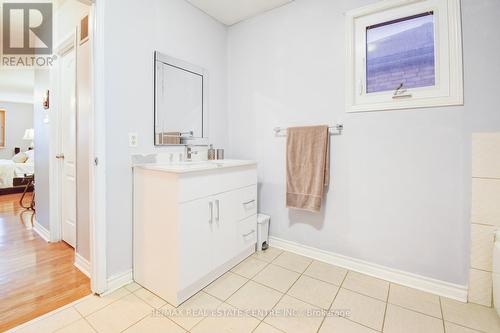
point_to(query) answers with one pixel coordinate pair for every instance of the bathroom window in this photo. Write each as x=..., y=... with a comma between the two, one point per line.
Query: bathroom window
x=404, y=54
x=400, y=54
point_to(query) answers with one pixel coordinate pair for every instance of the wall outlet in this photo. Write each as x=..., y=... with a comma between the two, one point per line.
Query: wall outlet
x=132, y=140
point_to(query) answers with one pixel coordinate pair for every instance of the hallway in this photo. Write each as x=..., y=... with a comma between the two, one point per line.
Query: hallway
x=36, y=277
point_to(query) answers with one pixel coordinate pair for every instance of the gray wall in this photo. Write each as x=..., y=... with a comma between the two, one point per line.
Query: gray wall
x=133, y=31
x=42, y=140
x=19, y=117
x=400, y=188
x=400, y=193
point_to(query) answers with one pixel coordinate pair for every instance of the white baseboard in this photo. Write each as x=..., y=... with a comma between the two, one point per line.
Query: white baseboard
x=119, y=280
x=438, y=287
x=41, y=231
x=82, y=264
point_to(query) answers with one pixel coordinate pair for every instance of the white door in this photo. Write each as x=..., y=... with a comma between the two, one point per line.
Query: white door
x=225, y=228
x=196, y=223
x=68, y=130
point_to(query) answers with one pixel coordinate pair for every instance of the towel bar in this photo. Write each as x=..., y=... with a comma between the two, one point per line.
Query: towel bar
x=336, y=129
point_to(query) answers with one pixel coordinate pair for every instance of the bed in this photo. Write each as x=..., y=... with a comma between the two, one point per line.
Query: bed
x=15, y=169
x=10, y=169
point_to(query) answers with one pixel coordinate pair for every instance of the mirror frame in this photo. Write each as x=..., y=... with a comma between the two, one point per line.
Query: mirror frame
x=183, y=65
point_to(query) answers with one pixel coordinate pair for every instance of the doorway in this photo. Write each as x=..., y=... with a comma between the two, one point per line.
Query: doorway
x=64, y=139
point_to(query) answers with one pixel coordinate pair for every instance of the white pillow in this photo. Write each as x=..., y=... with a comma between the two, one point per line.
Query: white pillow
x=20, y=158
x=30, y=154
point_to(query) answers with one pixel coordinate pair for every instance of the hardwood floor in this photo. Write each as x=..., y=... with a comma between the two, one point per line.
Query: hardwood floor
x=36, y=277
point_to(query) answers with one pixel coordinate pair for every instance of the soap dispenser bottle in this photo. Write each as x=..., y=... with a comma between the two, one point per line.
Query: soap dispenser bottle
x=211, y=153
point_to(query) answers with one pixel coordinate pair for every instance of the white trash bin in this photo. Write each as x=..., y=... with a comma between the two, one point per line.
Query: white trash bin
x=263, y=231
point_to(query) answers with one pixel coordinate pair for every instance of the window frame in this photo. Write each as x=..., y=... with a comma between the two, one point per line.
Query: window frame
x=448, y=88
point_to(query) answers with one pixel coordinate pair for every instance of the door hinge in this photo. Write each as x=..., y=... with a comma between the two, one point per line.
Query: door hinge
x=96, y=161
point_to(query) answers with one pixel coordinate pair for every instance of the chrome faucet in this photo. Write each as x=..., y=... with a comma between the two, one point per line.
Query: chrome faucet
x=189, y=152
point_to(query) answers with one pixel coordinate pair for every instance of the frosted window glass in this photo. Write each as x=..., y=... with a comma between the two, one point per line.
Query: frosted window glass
x=401, y=52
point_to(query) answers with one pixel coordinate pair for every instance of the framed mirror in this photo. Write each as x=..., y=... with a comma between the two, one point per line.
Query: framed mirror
x=180, y=102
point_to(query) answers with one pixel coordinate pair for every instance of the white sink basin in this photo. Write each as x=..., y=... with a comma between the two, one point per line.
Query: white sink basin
x=184, y=167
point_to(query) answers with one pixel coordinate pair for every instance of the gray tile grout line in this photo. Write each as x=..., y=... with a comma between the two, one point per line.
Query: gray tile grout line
x=333, y=300
x=442, y=315
x=313, y=277
x=251, y=279
x=224, y=301
x=482, y=270
x=386, y=306
x=60, y=328
x=135, y=322
x=142, y=318
x=360, y=293
x=462, y=326
x=91, y=327
x=244, y=284
x=486, y=178
x=348, y=319
x=300, y=274
x=377, y=299
x=412, y=310
x=175, y=323
x=116, y=300
x=285, y=293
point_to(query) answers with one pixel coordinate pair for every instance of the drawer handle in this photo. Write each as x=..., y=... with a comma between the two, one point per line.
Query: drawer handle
x=217, y=210
x=249, y=202
x=211, y=207
x=249, y=233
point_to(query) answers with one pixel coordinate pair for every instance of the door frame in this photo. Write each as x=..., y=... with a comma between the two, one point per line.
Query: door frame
x=98, y=230
x=97, y=139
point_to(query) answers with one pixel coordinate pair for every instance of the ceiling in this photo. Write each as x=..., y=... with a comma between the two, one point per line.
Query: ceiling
x=230, y=12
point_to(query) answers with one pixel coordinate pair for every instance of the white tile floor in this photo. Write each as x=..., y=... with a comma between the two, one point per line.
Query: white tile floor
x=298, y=290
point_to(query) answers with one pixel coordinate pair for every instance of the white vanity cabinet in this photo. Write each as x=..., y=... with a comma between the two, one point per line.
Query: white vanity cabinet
x=192, y=224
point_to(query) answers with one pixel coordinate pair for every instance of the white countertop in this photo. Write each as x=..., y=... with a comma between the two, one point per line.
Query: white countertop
x=195, y=166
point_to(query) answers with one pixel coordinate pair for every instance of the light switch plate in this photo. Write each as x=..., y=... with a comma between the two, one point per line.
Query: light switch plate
x=132, y=140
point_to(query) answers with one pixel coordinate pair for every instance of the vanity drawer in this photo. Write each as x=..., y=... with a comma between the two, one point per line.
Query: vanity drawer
x=240, y=204
x=197, y=185
x=247, y=232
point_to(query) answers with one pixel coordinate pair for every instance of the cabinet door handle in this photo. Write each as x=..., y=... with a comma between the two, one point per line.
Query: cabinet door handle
x=217, y=210
x=249, y=233
x=211, y=208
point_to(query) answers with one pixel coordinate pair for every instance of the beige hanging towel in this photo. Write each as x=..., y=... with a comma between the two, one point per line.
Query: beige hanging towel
x=307, y=166
x=172, y=138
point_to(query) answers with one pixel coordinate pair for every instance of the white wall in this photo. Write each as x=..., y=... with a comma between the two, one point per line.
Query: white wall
x=400, y=192
x=133, y=30
x=16, y=85
x=18, y=118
